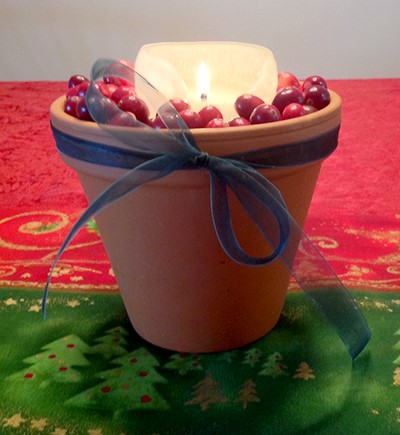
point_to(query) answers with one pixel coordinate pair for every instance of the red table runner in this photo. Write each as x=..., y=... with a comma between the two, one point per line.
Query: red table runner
x=354, y=217
x=85, y=370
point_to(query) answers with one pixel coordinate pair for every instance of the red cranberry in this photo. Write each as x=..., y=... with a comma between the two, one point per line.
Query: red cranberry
x=180, y=104
x=216, y=123
x=293, y=110
x=117, y=81
x=132, y=103
x=314, y=80
x=106, y=90
x=111, y=88
x=82, y=88
x=245, y=104
x=309, y=109
x=238, y=122
x=76, y=80
x=286, y=79
x=159, y=123
x=122, y=91
x=70, y=105
x=265, y=113
x=72, y=92
x=287, y=96
x=192, y=118
x=82, y=111
x=317, y=96
x=124, y=119
x=208, y=113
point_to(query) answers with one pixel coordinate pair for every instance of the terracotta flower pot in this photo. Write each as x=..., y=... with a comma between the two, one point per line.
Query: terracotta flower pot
x=180, y=289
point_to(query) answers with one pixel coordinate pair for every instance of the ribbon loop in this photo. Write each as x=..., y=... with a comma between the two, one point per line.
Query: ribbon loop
x=154, y=155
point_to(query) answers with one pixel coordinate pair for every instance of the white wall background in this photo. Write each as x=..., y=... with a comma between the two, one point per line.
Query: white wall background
x=53, y=39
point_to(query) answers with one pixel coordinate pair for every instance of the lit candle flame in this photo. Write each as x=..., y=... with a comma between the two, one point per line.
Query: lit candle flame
x=203, y=82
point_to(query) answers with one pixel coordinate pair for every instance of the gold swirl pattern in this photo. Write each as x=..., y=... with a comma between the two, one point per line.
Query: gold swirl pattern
x=395, y=270
x=325, y=242
x=7, y=271
x=55, y=221
x=363, y=258
x=29, y=242
x=40, y=227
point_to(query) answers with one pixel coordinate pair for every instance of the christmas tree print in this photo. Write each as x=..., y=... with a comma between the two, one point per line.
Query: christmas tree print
x=247, y=394
x=396, y=373
x=397, y=347
x=111, y=344
x=304, y=372
x=207, y=392
x=252, y=357
x=273, y=366
x=131, y=386
x=396, y=377
x=184, y=362
x=228, y=356
x=55, y=364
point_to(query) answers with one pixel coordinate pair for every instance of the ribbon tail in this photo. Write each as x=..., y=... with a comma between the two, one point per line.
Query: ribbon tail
x=325, y=289
x=323, y=286
x=320, y=283
x=151, y=170
x=265, y=206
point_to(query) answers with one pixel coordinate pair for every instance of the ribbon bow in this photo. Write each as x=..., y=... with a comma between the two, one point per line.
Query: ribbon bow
x=150, y=155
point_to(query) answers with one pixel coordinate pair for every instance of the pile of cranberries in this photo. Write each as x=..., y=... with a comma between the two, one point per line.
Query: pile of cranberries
x=293, y=99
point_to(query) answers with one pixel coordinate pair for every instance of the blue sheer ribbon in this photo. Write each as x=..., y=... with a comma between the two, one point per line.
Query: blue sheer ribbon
x=149, y=155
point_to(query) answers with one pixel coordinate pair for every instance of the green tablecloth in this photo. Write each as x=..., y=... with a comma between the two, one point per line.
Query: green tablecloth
x=85, y=371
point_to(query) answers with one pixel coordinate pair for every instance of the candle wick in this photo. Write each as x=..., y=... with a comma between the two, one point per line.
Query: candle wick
x=203, y=97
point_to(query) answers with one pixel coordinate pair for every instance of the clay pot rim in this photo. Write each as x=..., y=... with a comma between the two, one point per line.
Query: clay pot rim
x=323, y=120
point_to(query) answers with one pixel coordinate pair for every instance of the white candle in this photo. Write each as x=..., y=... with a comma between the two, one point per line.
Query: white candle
x=232, y=68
